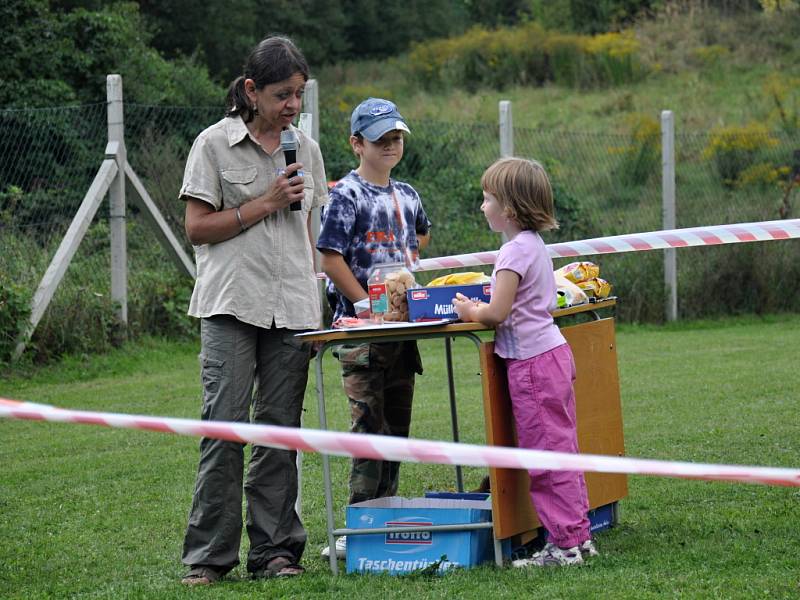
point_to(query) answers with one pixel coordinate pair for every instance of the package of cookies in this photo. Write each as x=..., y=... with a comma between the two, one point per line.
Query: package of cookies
x=387, y=292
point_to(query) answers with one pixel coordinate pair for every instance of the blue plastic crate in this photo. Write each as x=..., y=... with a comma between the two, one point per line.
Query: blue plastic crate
x=401, y=552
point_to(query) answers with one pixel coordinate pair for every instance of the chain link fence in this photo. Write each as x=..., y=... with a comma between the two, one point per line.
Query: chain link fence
x=606, y=184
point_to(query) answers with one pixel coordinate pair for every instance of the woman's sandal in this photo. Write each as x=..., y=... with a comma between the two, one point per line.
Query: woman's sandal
x=280, y=566
x=201, y=576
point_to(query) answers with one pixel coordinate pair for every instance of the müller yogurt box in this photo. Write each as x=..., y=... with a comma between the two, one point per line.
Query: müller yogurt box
x=436, y=302
x=404, y=552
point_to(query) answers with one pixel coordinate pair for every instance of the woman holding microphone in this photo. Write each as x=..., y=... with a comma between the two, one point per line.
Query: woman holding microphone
x=255, y=290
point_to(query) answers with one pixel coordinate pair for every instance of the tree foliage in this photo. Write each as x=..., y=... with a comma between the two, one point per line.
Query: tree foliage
x=54, y=55
x=326, y=30
x=182, y=51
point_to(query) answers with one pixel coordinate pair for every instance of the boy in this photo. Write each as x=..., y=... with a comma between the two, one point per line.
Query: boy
x=372, y=219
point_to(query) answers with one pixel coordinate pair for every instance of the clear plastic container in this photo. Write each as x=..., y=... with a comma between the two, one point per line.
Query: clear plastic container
x=387, y=285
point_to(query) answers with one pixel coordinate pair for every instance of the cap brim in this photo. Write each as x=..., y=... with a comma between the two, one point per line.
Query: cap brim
x=378, y=129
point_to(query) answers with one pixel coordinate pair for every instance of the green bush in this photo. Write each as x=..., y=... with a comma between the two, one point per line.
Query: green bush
x=735, y=148
x=15, y=311
x=640, y=160
x=525, y=55
x=80, y=317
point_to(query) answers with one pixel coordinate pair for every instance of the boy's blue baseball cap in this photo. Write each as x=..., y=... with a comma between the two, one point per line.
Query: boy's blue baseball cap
x=374, y=117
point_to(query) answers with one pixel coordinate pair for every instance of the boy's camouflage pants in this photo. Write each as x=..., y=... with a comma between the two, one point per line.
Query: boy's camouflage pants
x=379, y=383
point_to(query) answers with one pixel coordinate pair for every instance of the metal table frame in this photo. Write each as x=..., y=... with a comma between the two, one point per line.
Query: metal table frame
x=448, y=332
x=335, y=338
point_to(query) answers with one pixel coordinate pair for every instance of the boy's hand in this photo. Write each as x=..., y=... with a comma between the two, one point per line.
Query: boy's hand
x=464, y=307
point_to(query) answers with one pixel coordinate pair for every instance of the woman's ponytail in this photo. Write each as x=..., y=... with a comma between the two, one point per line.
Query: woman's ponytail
x=237, y=102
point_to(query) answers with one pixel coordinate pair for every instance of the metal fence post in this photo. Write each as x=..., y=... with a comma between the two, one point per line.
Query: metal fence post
x=506, y=129
x=668, y=208
x=116, y=150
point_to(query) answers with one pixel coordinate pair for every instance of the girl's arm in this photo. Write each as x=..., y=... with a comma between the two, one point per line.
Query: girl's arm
x=498, y=308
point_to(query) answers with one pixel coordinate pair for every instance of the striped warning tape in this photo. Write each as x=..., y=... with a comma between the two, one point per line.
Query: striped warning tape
x=636, y=242
x=402, y=449
x=712, y=235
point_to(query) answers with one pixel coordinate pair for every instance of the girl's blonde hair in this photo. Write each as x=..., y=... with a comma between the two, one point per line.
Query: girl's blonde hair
x=523, y=189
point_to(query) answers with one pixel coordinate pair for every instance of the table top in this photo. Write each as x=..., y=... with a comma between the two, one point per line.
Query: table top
x=438, y=329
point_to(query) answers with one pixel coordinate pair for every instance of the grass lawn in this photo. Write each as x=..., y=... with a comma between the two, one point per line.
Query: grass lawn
x=93, y=512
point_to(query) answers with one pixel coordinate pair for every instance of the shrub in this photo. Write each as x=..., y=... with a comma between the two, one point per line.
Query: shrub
x=640, y=159
x=525, y=55
x=734, y=148
x=15, y=312
x=784, y=91
x=614, y=58
x=80, y=317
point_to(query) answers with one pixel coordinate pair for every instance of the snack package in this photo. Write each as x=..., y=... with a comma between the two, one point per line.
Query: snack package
x=397, y=283
x=577, y=272
x=460, y=279
x=596, y=287
x=568, y=293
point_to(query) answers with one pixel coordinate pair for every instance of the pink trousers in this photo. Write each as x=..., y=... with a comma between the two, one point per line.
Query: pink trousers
x=543, y=401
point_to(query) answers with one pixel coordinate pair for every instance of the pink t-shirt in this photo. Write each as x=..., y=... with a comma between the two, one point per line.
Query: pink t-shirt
x=529, y=329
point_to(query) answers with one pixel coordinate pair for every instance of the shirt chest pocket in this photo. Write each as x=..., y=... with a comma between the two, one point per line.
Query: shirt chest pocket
x=239, y=184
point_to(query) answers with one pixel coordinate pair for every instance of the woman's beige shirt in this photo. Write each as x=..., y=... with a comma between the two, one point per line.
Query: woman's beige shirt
x=264, y=275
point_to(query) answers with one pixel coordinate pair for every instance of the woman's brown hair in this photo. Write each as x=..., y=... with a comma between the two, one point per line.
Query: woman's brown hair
x=274, y=59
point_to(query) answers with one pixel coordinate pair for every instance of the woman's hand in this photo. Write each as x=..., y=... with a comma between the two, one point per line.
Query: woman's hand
x=284, y=191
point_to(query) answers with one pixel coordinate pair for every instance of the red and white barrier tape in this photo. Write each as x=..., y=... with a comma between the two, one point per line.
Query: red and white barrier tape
x=18, y=404
x=636, y=242
x=402, y=449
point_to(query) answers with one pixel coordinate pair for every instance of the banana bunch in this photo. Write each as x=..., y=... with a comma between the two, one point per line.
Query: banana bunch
x=460, y=279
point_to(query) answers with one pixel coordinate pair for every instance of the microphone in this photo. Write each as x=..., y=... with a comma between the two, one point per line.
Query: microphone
x=289, y=147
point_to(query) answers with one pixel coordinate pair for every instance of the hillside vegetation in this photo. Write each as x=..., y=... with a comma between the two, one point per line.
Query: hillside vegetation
x=590, y=110
x=587, y=91
x=708, y=68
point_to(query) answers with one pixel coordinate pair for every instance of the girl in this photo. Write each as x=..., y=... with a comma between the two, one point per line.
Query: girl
x=518, y=201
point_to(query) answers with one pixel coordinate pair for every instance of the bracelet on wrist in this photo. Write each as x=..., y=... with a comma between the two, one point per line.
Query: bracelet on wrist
x=239, y=218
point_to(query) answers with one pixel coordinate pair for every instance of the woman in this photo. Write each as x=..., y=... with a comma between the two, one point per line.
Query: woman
x=255, y=290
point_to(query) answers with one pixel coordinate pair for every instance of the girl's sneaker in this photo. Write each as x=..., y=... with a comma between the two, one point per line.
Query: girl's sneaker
x=552, y=556
x=588, y=549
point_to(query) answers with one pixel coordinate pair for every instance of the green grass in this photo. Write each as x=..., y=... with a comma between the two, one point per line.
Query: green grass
x=95, y=512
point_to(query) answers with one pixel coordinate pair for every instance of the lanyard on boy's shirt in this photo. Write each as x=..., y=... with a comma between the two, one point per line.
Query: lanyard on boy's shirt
x=411, y=257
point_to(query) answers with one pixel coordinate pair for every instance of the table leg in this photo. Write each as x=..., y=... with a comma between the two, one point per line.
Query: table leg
x=498, y=551
x=326, y=467
x=453, y=412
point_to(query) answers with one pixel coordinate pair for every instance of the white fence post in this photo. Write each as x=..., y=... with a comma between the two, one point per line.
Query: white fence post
x=668, y=208
x=506, y=136
x=119, y=258
x=309, y=124
x=311, y=105
x=506, y=129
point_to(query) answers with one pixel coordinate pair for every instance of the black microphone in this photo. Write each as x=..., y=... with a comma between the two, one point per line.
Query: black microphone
x=289, y=147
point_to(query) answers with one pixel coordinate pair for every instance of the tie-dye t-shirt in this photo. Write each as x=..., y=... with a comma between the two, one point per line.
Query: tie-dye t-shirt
x=360, y=223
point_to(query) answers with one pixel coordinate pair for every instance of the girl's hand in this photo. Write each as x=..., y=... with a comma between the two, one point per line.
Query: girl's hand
x=464, y=307
x=284, y=191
